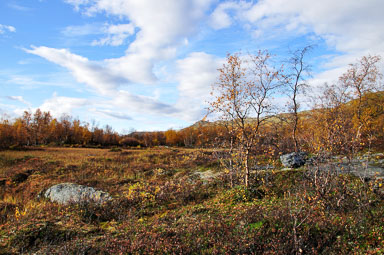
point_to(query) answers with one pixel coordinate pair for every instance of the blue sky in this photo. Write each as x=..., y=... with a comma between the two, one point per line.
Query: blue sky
x=149, y=64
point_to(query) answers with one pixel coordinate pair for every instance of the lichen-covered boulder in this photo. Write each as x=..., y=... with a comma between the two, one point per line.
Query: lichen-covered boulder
x=66, y=193
x=294, y=159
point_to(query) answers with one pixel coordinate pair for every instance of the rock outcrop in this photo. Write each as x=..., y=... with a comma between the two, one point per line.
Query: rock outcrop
x=66, y=193
x=294, y=159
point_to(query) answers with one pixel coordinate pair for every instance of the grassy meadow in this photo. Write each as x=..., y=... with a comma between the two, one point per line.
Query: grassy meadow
x=178, y=201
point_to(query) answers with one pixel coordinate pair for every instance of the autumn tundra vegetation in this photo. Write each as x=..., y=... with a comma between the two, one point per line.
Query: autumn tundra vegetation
x=216, y=187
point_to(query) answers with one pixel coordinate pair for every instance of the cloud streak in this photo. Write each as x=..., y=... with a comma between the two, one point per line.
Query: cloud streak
x=18, y=7
x=6, y=28
x=19, y=99
x=92, y=73
x=114, y=114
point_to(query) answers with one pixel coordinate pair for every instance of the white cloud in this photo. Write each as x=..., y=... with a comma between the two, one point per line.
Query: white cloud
x=77, y=3
x=116, y=34
x=162, y=27
x=5, y=28
x=104, y=80
x=58, y=106
x=349, y=27
x=196, y=75
x=9, y=111
x=221, y=17
x=120, y=29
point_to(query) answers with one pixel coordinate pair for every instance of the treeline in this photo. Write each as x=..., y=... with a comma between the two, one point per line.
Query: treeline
x=331, y=127
x=40, y=128
x=201, y=134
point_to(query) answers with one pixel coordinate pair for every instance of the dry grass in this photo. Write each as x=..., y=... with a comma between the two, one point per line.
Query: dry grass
x=162, y=206
x=96, y=167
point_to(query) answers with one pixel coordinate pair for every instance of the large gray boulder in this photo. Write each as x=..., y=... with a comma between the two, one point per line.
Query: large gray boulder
x=294, y=159
x=65, y=193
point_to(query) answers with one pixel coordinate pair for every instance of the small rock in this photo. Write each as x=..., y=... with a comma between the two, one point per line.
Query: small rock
x=65, y=193
x=294, y=159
